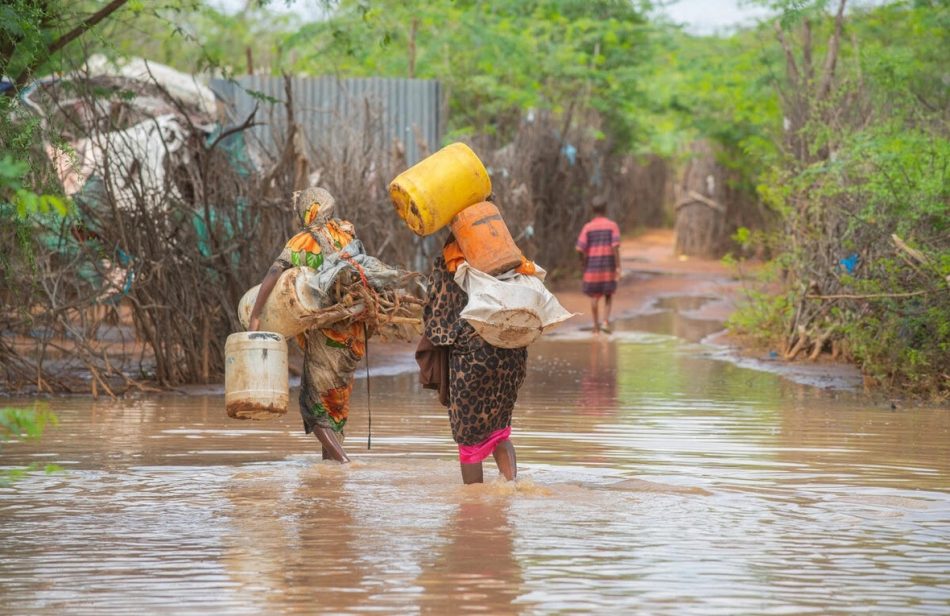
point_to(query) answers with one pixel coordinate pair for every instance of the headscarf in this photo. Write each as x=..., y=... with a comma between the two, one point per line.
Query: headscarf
x=321, y=232
x=315, y=206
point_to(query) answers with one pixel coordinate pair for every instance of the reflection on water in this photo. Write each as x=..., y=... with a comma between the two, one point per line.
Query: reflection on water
x=475, y=566
x=597, y=394
x=654, y=480
x=672, y=316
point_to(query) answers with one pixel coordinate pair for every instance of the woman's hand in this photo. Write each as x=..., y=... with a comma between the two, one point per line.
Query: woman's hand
x=267, y=285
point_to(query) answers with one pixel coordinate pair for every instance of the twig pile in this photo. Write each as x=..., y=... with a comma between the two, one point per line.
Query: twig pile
x=391, y=313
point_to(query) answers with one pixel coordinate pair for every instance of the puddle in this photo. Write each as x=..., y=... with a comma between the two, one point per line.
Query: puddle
x=671, y=316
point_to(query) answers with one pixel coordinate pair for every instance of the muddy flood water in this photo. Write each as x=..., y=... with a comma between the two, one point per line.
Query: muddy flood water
x=655, y=477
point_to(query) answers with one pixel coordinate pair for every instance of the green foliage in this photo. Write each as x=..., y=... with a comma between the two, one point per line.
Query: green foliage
x=742, y=237
x=18, y=423
x=721, y=89
x=29, y=32
x=497, y=59
x=903, y=344
x=873, y=192
x=193, y=36
x=762, y=314
x=25, y=201
x=24, y=34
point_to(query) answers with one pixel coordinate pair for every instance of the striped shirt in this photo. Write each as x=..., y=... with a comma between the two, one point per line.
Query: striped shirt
x=597, y=241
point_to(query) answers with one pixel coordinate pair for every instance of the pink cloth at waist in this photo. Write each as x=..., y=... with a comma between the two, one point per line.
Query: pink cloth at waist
x=472, y=454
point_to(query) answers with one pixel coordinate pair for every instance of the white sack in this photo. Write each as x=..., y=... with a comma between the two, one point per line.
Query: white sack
x=511, y=311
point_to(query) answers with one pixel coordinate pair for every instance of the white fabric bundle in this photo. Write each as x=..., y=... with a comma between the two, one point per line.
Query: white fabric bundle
x=509, y=311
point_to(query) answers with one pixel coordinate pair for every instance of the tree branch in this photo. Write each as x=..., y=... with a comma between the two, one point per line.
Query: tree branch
x=245, y=125
x=791, y=66
x=831, y=57
x=807, y=65
x=83, y=27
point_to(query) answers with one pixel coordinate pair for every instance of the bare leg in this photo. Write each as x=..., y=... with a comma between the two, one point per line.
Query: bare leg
x=608, y=301
x=471, y=473
x=594, y=310
x=332, y=448
x=505, y=459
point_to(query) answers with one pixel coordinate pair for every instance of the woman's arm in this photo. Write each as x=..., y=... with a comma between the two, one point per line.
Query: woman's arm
x=267, y=285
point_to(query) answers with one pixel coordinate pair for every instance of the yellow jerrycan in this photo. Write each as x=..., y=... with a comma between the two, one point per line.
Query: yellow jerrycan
x=431, y=192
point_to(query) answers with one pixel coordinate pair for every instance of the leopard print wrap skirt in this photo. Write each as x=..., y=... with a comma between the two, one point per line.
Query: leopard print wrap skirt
x=483, y=379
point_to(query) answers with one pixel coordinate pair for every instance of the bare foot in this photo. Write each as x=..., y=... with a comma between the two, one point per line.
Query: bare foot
x=332, y=449
x=505, y=459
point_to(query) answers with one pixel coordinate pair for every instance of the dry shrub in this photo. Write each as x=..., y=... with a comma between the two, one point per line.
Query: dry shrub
x=357, y=167
x=139, y=282
x=546, y=178
x=712, y=203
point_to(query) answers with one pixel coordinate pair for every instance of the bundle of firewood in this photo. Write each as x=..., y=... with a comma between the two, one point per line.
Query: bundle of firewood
x=391, y=313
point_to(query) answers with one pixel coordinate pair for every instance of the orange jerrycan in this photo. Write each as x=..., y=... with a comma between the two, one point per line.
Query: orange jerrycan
x=431, y=192
x=485, y=240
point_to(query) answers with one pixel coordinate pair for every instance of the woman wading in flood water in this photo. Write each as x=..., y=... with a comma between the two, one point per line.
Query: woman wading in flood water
x=331, y=354
x=483, y=380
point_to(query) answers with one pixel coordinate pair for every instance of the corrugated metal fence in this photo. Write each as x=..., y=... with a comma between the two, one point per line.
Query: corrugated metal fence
x=409, y=109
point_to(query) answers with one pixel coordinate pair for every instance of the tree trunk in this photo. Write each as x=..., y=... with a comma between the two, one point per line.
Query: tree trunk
x=701, y=229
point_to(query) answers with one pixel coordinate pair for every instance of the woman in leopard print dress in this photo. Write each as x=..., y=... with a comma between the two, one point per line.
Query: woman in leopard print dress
x=483, y=379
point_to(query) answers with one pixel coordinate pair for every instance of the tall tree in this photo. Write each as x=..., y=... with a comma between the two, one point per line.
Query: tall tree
x=33, y=32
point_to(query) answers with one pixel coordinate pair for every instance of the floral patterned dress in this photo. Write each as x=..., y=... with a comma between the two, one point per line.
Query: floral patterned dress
x=332, y=354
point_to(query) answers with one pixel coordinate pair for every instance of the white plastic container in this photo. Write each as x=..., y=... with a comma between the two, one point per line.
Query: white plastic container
x=255, y=375
x=286, y=307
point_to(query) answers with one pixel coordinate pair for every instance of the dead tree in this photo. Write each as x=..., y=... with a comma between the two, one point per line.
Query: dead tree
x=701, y=225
